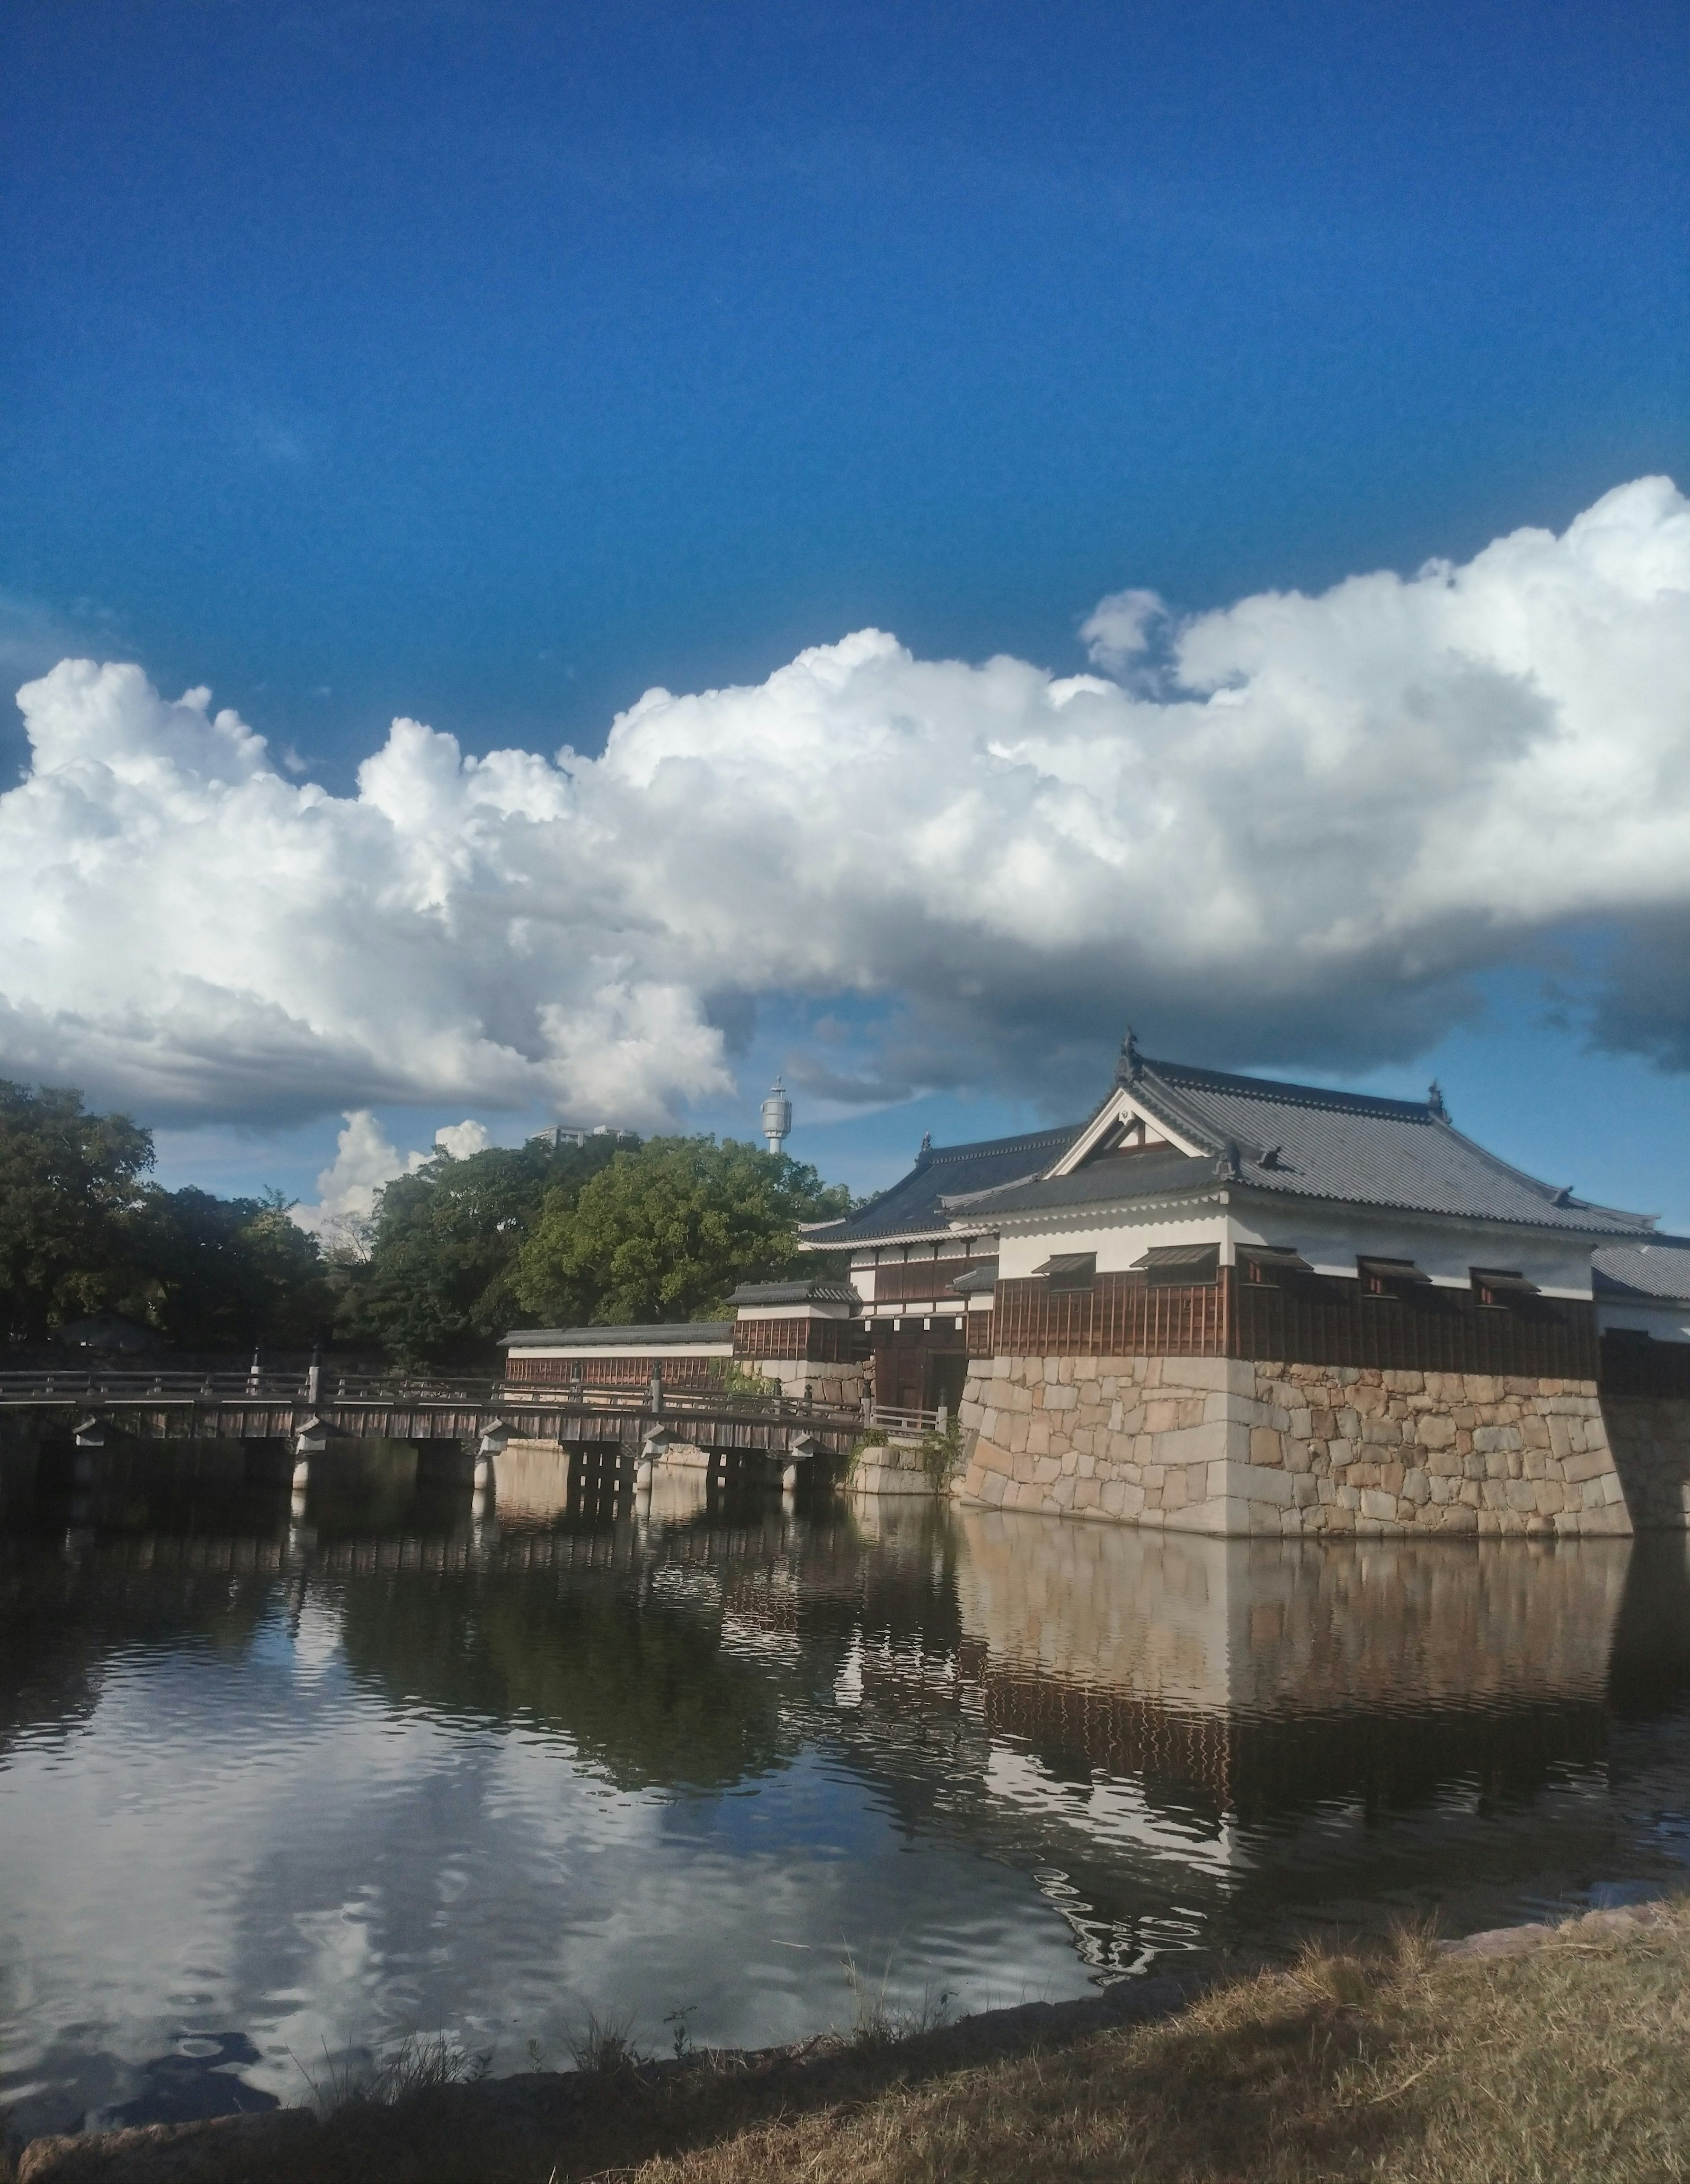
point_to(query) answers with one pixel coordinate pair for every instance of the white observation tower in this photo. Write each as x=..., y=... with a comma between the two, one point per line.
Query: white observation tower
x=777, y=1115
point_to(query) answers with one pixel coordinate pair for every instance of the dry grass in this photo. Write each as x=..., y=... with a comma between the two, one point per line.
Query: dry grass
x=416, y=2065
x=1572, y=2063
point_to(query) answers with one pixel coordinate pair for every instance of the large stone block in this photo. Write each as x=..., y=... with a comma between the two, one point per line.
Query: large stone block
x=1230, y=1376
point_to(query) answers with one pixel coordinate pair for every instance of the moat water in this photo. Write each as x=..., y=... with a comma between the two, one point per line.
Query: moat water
x=278, y=1790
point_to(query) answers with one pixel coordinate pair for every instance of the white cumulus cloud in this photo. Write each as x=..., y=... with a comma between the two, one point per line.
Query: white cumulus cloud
x=1294, y=840
x=365, y=1157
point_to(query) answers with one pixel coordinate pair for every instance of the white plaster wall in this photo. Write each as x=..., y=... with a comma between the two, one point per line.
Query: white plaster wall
x=1667, y=1322
x=825, y=1311
x=1117, y=1239
x=597, y=1351
x=1330, y=1239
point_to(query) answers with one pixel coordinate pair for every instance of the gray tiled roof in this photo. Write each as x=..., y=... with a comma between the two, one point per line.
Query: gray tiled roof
x=1306, y=1141
x=913, y=1206
x=1105, y=1181
x=1659, y=1268
x=618, y=1338
x=816, y=1290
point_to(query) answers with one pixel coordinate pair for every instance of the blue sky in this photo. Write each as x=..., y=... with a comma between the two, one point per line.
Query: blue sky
x=490, y=363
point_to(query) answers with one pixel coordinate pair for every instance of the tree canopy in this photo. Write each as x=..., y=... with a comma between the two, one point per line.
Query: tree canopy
x=69, y=1182
x=666, y=1230
x=437, y=1288
x=83, y=1230
x=457, y=1252
x=224, y=1274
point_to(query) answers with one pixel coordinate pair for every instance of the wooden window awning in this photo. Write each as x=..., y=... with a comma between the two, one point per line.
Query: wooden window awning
x=1180, y=1266
x=1266, y=1263
x=1389, y=1278
x=1501, y=1286
x=1069, y=1270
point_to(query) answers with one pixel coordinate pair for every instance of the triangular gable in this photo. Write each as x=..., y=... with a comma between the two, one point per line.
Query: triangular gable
x=1122, y=1115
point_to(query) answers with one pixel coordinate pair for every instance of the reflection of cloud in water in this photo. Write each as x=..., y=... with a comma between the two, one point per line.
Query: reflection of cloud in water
x=684, y=1766
x=329, y=1861
x=1115, y=1814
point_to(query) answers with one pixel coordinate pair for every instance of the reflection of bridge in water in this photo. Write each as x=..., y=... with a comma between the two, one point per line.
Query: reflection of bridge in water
x=1234, y=1721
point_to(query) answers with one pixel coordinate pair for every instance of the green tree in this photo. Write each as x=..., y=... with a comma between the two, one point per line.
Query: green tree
x=666, y=1231
x=437, y=1288
x=224, y=1274
x=68, y=1181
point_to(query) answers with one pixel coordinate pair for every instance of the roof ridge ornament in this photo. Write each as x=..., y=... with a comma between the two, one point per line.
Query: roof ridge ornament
x=1435, y=1101
x=1129, y=1063
x=924, y=1151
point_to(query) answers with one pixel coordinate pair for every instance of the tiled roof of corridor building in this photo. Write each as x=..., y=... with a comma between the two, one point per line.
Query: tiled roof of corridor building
x=913, y=1206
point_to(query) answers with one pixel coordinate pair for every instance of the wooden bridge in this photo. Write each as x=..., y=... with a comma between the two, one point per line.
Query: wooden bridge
x=287, y=1421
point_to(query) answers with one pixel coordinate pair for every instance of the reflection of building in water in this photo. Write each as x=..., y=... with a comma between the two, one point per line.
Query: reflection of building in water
x=1265, y=1674
x=1177, y=1740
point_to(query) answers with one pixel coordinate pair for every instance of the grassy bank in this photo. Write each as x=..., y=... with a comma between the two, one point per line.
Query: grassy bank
x=1571, y=2062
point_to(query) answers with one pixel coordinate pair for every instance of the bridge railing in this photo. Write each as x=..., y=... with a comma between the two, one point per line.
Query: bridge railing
x=894, y=1420
x=326, y=1391
x=120, y=1386
x=674, y=1402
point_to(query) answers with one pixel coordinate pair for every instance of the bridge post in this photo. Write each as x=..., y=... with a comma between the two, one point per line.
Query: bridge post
x=310, y=1438
x=494, y=1440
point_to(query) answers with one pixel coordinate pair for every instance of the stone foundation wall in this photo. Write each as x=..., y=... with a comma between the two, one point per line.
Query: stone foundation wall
x=843, y=1384
x=1226, y=1446
x=1650, y=1437
x=890, y=1467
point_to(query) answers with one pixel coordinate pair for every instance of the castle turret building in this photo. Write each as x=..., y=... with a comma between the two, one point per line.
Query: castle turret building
x=1226, y=1304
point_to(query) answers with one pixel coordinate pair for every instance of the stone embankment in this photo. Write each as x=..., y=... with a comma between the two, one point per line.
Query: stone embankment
x=1226, y=1446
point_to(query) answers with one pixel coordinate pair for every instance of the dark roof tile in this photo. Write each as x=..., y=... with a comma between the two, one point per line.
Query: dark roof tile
x=1659, y=1268
x=914, y=1207
x=1298, y=1141
x=818, y=1290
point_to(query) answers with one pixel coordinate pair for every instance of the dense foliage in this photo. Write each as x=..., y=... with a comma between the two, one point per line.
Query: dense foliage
x=437, y=1288
x=70, y=1184
x=456, y=1253
x=82, y=1231
x=667, y=1230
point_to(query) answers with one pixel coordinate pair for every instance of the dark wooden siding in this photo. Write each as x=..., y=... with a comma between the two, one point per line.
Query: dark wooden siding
x=818, y=1341
x=1119, y=1316
x=1632, y=1367
x=1314, y=1322
x=629, y=1369
x=1318, y=1321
